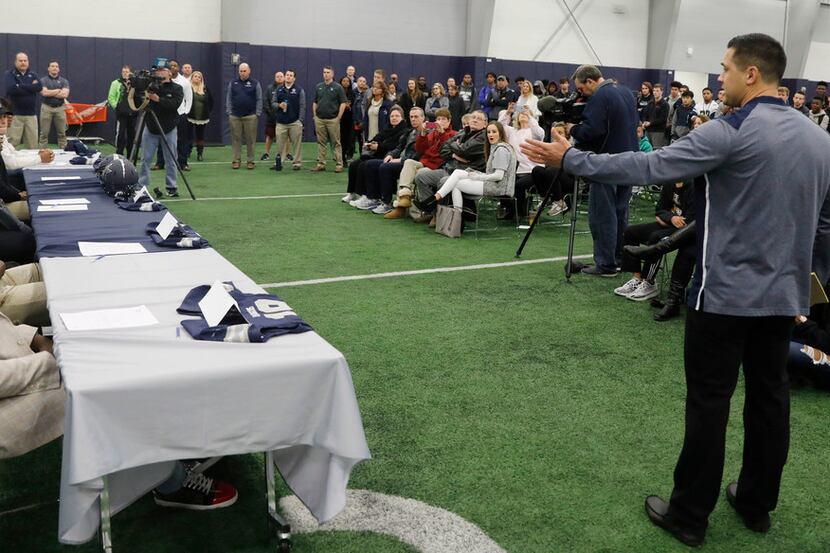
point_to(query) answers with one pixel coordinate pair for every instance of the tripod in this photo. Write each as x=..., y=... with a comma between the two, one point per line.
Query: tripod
x=572, y=233
x=142, y=123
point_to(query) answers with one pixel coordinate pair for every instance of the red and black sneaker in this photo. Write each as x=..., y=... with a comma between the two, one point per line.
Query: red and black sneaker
x=199, y=493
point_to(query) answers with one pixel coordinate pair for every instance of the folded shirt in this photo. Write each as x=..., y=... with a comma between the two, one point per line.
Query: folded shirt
x=256, y=317
x=180, y=237
x=144, y=203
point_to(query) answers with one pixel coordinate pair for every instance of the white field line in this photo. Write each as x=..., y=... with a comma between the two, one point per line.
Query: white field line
x=419, y=272
x=281, y=197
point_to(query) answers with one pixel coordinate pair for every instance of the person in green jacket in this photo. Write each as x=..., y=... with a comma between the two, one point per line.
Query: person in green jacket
x=125, y=117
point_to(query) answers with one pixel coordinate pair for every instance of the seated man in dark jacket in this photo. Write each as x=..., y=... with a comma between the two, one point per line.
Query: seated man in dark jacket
x=17, y=242
x=675, y=210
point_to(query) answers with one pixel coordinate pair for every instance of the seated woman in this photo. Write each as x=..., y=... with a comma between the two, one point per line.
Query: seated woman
x=437, y=101
x=544, y=178
x=675, y=210
x=499, y=178
x=376, y=149
x=525, y=128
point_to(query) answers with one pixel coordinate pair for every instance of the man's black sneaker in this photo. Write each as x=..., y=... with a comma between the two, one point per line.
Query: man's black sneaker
x=172, y=193
x=157, y=192
x=265, y=157
x=277, y=163
x=199, y=493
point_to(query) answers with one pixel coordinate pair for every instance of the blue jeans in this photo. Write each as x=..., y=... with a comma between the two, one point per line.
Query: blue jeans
x=149, y=143
x=176, y=480
x=607, y=219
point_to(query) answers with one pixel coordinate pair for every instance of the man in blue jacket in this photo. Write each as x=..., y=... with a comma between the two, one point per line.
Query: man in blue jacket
x=288, y=103
x=243, y=105
x=609, y=126
x=22, y=88
x=765, y=211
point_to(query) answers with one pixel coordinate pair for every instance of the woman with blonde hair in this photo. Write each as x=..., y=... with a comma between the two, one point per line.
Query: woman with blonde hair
x=199, y=114
x=437, y=101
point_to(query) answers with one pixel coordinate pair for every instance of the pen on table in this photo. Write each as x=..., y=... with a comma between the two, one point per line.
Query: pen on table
x=98, y=258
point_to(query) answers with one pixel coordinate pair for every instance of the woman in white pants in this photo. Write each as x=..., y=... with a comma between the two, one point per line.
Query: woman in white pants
x=498, y=180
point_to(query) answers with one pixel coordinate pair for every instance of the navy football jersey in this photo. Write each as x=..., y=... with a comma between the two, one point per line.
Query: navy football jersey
x=144, y=203
x=259, y=317
x=180, y=237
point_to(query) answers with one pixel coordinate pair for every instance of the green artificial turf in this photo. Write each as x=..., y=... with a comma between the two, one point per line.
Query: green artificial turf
x=541, y=410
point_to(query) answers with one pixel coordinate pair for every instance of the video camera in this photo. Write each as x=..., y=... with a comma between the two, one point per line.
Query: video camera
x=146, y=80
x=568, y=109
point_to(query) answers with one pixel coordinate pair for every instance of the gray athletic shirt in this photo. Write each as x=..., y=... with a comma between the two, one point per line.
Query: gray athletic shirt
x=764, y=211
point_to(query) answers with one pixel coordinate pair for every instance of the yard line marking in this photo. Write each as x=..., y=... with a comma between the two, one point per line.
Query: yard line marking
x=420, y=272
x=280, y=197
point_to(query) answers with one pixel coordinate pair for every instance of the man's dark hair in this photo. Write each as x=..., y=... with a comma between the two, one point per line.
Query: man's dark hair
x=585, y=72
x=818, y=99
x=328, y=67
x=52, y=61
x=705, y=88
x=687, y=94
x=564, y=80
x=491, y=74
x=295, y=73
x=762, y=51
x=676, y=84
x=172, y=59
x=519, y=79
x=822, y=83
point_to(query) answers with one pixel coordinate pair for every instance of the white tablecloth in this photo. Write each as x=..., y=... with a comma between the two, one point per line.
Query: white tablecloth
x=140, y=398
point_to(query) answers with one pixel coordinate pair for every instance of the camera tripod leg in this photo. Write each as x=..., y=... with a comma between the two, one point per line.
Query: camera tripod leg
x=139, y=132
x=539, y=210
x=574, y=206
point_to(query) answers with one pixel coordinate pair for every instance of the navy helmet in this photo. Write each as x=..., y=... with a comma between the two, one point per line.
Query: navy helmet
x=119, y=178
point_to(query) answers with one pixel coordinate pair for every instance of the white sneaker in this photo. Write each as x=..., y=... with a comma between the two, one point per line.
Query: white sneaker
x=628, y=287
x=382, y=209
x=356, y=201
x=348, y=198
x=644, y=291
x=368, y=205
x=557, y=208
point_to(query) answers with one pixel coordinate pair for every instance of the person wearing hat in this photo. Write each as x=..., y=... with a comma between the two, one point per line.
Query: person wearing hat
x=500, y=97
x=164, y=103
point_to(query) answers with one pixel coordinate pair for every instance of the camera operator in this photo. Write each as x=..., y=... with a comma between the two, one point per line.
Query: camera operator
x=608, y=126
x=164, y=103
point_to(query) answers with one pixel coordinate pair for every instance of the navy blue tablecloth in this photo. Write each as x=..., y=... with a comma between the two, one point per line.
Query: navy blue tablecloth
x=57, y=233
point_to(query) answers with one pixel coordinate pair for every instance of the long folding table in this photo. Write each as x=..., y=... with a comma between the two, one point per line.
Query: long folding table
x=138, y=399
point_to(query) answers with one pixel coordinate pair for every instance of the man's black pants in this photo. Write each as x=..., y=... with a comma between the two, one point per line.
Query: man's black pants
x=716, y=345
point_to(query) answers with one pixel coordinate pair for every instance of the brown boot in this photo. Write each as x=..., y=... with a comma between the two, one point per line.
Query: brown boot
x=397, y=213
x=432, y=222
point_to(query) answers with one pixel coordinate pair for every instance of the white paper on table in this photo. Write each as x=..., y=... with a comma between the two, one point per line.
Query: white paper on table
x=125, y=317
x=74, y=177
x=93, y=249
x=71, y=207
x=65, y=201
x=216, y=303
x=166, y=226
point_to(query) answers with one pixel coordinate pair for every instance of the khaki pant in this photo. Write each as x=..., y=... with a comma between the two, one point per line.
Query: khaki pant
x=20, y=210
x=23, y=295
x=293, y=133
x=23, y=131
x=410, y=167
x=48, y=115
x=328, y=131
x=243, y=127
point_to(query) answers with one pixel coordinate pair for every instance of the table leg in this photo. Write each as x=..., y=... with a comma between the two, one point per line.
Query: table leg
x=106, y=528
x=276, y=524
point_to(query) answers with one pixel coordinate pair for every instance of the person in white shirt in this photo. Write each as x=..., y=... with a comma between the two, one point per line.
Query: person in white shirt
x=14, y=159
x=708, y=106
x=184, y=138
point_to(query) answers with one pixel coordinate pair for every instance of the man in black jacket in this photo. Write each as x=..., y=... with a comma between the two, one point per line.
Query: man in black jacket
x=164, y=104
x=657, y=114
x=609, y=126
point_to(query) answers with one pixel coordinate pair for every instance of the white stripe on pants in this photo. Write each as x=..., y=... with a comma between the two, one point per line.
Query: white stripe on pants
x=457, y=184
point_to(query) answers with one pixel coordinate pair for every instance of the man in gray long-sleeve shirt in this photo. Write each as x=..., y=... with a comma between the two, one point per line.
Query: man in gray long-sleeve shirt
x=764, y=213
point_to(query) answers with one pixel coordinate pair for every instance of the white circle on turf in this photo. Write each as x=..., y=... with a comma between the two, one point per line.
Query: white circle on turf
x=426, y=528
